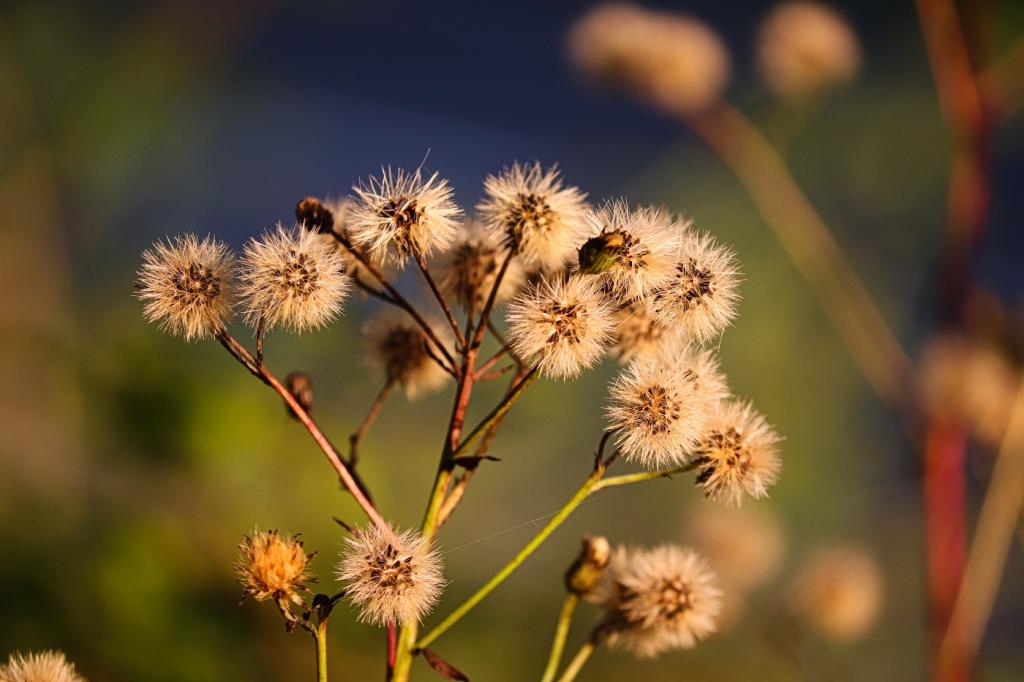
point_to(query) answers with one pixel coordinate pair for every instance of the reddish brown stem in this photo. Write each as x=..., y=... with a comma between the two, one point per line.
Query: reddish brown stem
x=371, y=416
x=392, y=648
x=440, y=300
x=347, y=479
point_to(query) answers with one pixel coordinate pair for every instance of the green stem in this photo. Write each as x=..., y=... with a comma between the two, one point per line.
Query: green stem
x=454, y=617
x=576, y=664
x=321, y=650
x=572, y=600
x=642, y=476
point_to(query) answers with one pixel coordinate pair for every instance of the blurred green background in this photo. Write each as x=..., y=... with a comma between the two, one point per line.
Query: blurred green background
x=131, y=464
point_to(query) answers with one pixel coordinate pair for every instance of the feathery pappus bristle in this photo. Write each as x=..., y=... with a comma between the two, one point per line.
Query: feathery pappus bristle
x=658, y=599
x=737, y=456
x=392, y=578
x=47, y=666
x=292, y=278
x=539, y=216
x=398, y=348
x=565, y=323
x=467, y=271
x=660, y=405
x=401, y=214
x=185, y=285
x=702, y=294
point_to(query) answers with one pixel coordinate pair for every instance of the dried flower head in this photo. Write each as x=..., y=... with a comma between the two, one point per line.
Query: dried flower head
x=48, y=666
x=738, y=454
x=702, y=294
x=300, y=385
x=293, y=278
x=675, y=62
x=746, y=545
x=565, y=323
x=839, y=590
x=391, y=577
x=341, y=210
x=273, y=566
x=631, y=251
x=804, y=47
x=185, y=284
x=972, y=381
x=399, y=349
x=468, y=270
x=540, y=218
x=314, y=215
x=658, y=599
x=400, y=215
x=585, y=573
x=660, y=405
x=639, y=331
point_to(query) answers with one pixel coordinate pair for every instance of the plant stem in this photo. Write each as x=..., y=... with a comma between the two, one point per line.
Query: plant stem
x=347, y=479
x=498, y=412
x=321, y=650
x=626, y=479
x=371, y=416
x=812, y=249
x=397, y=299
x=569, y=605
x=577, y=662
x=440, y=300
x=581, y=494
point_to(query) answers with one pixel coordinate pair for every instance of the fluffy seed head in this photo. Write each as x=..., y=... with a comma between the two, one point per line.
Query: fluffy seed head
x=660, y=405
x=468, y=270
x=341, y=210
x=674, y=62
x=702, y=294
x=393, y=578
x=539, y=217
x=805, y=47
x=658, y=599
x=273, y=566
x=566, y=323
x=294, y=278
x=639, y=245
x=398, y=349
x=639, y=331
x=184, y=285
x=48, y=666
x=738, y=454
x=401, y=214
x=840, y=591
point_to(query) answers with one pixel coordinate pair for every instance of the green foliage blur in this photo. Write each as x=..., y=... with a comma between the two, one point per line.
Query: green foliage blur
x=131, y=464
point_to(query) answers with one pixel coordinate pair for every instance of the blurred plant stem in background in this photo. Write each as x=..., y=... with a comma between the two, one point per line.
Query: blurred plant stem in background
x=966, y=114
x=813, y=250
x=999, y=517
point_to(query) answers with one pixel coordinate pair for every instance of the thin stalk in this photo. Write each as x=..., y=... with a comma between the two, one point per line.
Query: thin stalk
x=576, y=500
x=569, y=605
x=440, y=300
x=626, y=479
x=578, y=661
x=397, y=298
x=812, y=249
x=997, y=519
x=392, y=647
x=321, y=650
x=263, y=373
x=371, y=416
x=498, y=412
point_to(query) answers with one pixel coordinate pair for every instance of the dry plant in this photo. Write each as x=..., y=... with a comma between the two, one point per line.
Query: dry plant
x=577, y=282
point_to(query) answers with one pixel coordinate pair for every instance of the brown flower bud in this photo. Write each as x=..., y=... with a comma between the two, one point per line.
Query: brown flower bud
x=300, y=385
x=585, y=573
x=317, y=217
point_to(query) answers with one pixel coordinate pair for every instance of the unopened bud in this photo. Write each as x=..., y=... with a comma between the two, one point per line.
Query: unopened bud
x=300, y=385
x=601, y=252
x=584, y=574
x=314, y=215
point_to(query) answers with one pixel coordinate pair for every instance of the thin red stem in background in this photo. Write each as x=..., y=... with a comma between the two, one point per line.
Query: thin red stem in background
x=945, y=508
x=392, y=649
x=969, y=121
